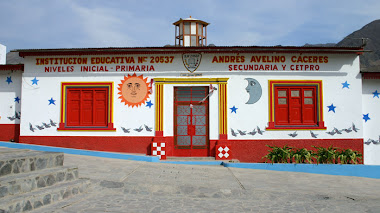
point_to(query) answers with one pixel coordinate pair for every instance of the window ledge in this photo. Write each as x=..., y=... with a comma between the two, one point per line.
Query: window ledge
x=62, y=127
x=271, y=126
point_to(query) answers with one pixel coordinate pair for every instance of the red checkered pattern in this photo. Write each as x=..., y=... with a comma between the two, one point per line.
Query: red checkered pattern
x=223, y=152
x=159, y=149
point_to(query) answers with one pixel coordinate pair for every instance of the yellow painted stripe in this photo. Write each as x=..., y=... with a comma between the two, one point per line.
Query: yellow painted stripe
x=159, y=107
x=222, y=109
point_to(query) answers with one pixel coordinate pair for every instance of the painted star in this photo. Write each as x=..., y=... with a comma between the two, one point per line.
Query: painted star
x=149, y=104
x=366, y=117
x=345, y=85
x=9, y=80
x=35, y=81
x=233, y=109
x=332, y=108
x=52, y=101
x=17, y=99
x=376, y=94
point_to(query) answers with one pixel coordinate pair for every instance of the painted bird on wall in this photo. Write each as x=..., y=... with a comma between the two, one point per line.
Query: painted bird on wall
x=233, y=133
x=52, y=123
x=138, y=129
x=293, y=135
x=31, y=128
x=313, y=134
x=125, y=130
x=253, y=132
x=260, y=131
x=354, y=128
x=149, y=129
x=337, y=131
x=46, y=125
x=40, y=127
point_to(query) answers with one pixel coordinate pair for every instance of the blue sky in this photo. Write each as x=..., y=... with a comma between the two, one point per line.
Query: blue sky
x=37, y=24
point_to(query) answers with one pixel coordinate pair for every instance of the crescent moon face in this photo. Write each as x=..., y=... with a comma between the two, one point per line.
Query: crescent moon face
x=254, y=90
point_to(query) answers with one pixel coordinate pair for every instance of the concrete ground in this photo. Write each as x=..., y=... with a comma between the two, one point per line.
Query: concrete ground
x=132, y=186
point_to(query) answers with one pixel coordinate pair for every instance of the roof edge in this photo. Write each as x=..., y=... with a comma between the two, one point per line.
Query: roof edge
x=208, y=49
x=12, y=67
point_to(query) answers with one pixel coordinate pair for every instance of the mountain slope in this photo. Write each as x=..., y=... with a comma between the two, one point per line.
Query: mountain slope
x=369, y=61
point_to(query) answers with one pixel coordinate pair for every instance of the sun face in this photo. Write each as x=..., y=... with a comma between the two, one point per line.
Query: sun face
x=134, y=90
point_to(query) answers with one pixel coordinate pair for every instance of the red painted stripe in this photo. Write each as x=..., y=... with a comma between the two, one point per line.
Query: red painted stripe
x=254, y=150
x=9, y=132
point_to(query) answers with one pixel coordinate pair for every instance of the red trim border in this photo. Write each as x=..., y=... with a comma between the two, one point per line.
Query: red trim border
x=62, y=122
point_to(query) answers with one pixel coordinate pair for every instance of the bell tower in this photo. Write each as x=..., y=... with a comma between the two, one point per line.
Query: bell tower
x=190, y=32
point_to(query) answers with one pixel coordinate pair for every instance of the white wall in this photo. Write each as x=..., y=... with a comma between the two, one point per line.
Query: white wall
x=371, y=105
x=8, y=93
x=37, y=110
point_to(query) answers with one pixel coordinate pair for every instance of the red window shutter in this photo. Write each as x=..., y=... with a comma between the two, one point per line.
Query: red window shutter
x=73, y=107
x=309, y=107
x=100, y=107
x=295, y=107
x=281, y=106
x=87, y=107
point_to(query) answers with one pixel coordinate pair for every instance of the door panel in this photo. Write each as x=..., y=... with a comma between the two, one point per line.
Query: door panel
x=191, y=136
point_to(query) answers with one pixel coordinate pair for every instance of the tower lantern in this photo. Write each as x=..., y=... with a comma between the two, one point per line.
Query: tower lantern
x=190, y=32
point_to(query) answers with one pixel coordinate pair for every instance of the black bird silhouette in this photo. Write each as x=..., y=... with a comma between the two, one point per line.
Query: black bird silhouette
x=294, y=134
x=31, y=127
x=125, y=130
x=354, y=128
x=52, y=123
x=233, y=133
x=241, y=132
x=260, y=131
x=147, y=128
x=40, y=127
x=337, y=131
x=12, y=118
x=46, y=125
x=138, y=129
x=313, y=134
x=253, y=132
x=369, y=141
x=331, y=133
x=347, y=130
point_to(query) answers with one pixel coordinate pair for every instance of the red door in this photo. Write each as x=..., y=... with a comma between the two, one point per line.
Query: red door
x=191, y=130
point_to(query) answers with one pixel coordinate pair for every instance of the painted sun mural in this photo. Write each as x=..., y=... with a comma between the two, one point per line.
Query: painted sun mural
x=134, y=90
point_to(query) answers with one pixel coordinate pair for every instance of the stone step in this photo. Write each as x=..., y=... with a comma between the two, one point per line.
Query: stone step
x=5, y=150
x=26, y=182
x=48, y=195
x=14, y=162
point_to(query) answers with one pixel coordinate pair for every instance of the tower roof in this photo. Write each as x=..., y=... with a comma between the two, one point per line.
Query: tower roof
x=190, y=19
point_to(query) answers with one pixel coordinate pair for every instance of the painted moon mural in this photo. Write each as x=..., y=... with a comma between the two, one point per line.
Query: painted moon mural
x=254, y=90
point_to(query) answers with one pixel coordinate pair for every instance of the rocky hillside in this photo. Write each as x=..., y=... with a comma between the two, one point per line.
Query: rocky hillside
x=370, y=61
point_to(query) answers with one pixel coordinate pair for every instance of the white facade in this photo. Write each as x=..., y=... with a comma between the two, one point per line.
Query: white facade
x=371, y=106
x=338, y=70
x=10, y=92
